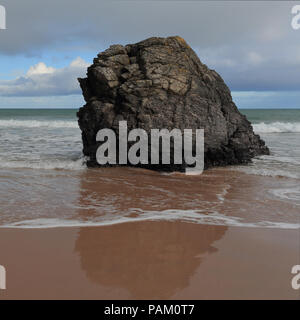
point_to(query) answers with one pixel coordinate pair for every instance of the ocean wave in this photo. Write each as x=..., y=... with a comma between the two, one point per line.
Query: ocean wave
x=78, y=164
x=268, y=172
x=277, y=127
x=11, y=123
x=190, y=216
x=287, y=194
x=262, y=127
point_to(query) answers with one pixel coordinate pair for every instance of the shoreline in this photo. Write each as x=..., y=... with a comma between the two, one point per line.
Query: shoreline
x=149, y=260
x=112, y=196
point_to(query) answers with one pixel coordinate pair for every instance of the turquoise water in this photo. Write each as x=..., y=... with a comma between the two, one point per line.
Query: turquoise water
x=272, y=115
x=38, y=114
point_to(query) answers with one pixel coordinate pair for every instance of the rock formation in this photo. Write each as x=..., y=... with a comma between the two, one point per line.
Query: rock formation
x=161, y=83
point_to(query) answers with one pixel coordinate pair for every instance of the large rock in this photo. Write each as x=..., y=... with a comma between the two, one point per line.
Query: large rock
x=161, y=83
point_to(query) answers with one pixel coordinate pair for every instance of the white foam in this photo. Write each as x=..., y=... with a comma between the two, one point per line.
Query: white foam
x=167, y=215
x=276, y=127
x=11, y=123
x=221, y=195
x=46, y=165
x=268, y=172
x=288, y=194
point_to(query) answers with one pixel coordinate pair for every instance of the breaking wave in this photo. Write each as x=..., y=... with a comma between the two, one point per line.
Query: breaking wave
x=11, y=123
x=190, y=216
x=268, y=172
x=277, y=127
x=78, y=164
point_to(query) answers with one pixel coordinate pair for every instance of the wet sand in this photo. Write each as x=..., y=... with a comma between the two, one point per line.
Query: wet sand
x=31, y=198
x=150, y=236
x=149, y=260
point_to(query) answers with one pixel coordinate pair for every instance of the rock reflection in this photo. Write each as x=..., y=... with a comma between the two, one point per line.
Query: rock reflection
x=151, y=260
x=147, y=259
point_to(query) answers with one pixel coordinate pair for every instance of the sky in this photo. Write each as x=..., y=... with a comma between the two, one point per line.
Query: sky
x=47, y=45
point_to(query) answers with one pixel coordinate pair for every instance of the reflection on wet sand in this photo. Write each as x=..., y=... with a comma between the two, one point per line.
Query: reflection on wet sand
x=218, y=196
x=156, y=259
x=151, y=260
x=148, y=259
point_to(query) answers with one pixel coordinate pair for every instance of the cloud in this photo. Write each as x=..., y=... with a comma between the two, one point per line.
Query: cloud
x=251, y=44
x=39, y=69
x=41, y=80
x=96, y=23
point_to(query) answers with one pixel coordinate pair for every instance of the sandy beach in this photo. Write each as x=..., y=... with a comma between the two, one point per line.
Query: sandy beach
x=109, y=111
x=137, y=234
x=149, y=260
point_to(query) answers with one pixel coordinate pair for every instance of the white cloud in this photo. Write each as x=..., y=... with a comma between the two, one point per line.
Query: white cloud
x=43, y=80
x=78, y=63
x=39, y=68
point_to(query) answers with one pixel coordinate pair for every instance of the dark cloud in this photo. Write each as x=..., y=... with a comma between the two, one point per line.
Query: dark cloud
x=35, y=24
x=251, y=44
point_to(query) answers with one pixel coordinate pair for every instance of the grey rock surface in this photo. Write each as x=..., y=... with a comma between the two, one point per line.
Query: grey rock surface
x=161, y=83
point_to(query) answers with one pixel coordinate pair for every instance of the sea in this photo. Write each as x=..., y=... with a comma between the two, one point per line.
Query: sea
x=44, y=181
